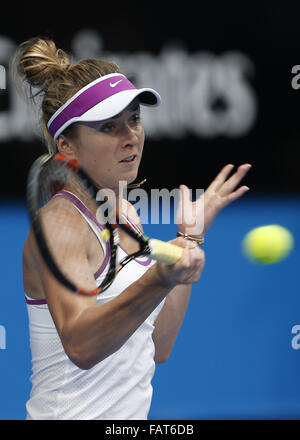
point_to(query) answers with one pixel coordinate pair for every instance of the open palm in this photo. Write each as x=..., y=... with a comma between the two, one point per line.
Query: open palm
x=195, y=218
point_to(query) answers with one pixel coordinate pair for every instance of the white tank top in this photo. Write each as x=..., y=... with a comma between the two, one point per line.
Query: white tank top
x=119, y=387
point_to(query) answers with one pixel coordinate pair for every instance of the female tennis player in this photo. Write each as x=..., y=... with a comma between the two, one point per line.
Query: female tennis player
x=93, y=357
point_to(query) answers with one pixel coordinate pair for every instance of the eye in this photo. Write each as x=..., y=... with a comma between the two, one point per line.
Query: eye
x=107, y=127
x=136, y=118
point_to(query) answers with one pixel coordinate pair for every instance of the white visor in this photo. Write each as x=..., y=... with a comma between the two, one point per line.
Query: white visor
x=102, y=99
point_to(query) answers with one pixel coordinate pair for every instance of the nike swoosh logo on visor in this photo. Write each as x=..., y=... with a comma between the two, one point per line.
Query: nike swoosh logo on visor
x=115, y=84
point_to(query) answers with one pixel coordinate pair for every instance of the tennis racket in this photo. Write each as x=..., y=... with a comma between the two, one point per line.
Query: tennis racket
x=50, y=174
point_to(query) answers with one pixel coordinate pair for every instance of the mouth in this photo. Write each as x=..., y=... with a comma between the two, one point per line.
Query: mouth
x=129, y=159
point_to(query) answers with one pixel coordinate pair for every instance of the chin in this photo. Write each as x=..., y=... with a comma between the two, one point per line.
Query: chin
x=129, y=181
x=130, y=177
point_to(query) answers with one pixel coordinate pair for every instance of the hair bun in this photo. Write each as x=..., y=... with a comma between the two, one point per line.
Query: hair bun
x=40, y=70
x=39, y=60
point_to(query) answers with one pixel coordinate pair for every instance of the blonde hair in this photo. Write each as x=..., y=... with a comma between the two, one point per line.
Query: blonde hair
x=49, y=71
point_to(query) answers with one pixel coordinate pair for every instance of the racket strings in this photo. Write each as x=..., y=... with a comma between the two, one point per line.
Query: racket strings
x=61, y=228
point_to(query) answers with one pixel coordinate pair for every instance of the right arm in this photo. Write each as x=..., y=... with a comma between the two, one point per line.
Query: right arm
x=91, y=332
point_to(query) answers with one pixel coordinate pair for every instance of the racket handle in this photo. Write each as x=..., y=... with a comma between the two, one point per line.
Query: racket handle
x=163, y=252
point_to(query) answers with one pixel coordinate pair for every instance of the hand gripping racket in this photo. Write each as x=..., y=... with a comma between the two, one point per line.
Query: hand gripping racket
x=47, y=176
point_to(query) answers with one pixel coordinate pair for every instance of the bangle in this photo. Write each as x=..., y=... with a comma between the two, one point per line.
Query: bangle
x=199, y=241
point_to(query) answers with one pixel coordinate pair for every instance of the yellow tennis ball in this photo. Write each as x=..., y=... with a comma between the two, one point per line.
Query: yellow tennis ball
x=268, y=244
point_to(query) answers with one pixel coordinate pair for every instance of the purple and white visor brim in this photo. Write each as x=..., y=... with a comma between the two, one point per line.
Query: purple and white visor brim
x=102, y=99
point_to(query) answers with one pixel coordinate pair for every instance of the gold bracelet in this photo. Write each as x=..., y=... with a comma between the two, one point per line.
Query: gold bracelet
x=199, y=241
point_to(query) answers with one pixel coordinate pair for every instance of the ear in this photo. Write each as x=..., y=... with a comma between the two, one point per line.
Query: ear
x=65, y=146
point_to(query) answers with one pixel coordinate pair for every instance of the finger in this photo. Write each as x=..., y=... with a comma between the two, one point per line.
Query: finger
x=220, y=179
x=192, y=265
x=188, y=247
x=186, y=258
x=236, y=195
x=196, y=273
x=196, y=255
x=234, y=180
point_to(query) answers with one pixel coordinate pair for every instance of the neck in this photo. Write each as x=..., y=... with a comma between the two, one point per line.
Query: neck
x=112, y=198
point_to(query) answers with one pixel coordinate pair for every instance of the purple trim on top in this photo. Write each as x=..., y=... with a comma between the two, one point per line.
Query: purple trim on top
x=89, y=98
x=72, y=198
x=135, y=226
x=142, y=263
x=35, y=302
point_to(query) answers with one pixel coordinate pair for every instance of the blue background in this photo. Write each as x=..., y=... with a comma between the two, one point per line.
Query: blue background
x=233, y=358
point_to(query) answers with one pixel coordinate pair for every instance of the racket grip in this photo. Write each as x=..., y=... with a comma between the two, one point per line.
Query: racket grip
x=163, y=252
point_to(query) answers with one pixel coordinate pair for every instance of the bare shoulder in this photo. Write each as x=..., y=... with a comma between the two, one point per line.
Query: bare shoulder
x=63, y=225
x=61, y=209
x=60, y=215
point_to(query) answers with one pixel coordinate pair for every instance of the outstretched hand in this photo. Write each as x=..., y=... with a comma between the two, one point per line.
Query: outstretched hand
x=195, y=218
